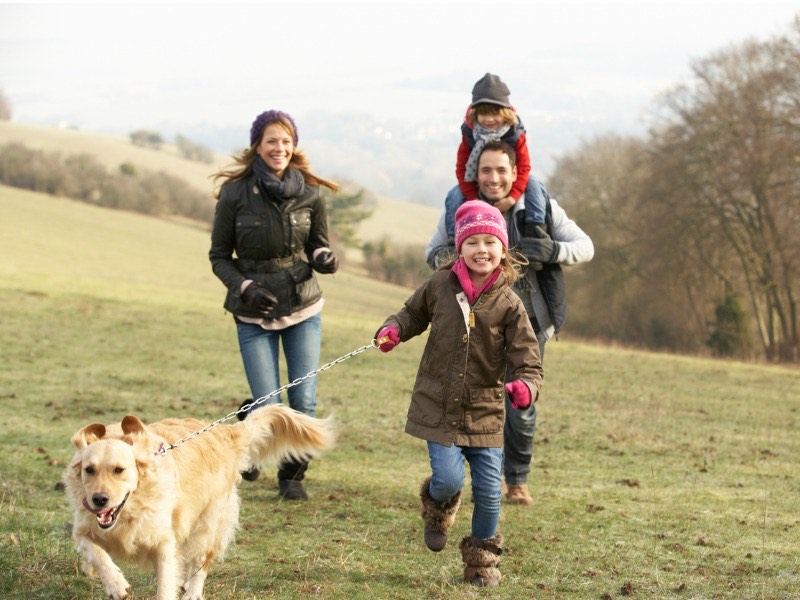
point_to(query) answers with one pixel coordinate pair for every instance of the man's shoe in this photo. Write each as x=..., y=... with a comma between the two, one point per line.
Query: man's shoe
x=518, y=494
x=251, y=474
x=289, y=489
x=243, y=415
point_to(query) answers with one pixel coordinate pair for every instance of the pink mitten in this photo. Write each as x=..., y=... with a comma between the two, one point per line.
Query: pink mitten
x=388, y=338
x=519, y=393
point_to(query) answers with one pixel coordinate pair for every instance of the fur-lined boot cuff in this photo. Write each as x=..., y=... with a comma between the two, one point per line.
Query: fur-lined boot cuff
x=438, y=517
x=481, y=560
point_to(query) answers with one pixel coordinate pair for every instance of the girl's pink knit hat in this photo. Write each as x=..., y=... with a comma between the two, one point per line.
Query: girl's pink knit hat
x=477, y=216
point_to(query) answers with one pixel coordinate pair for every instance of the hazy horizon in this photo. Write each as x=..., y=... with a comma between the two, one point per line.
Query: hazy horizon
x=380, y=75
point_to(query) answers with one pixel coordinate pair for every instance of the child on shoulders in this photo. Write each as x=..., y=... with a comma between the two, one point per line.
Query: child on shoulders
x=491, y=117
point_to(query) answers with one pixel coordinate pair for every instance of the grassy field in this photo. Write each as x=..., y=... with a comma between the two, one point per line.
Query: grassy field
x=655, y=476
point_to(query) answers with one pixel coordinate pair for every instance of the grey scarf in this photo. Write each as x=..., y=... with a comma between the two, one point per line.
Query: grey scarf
x=481, y=136
x=289, y=186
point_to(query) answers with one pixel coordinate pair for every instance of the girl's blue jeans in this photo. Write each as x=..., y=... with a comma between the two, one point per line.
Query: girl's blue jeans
x=301, y=347
x=447, y=466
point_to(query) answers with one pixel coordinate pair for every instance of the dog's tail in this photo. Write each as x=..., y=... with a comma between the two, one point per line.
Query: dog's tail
x=279, y=433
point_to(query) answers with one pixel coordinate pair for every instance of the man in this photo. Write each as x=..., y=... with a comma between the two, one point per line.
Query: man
x=541, y=289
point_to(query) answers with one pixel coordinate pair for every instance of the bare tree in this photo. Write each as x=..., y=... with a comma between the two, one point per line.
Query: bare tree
x=730, y=139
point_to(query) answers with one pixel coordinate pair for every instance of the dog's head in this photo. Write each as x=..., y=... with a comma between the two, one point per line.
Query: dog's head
x=107, y=466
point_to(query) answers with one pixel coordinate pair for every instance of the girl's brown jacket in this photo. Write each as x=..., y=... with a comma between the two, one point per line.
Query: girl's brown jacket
x=458, y=397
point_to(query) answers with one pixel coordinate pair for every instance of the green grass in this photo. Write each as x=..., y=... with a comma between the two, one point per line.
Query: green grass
x=655, y=476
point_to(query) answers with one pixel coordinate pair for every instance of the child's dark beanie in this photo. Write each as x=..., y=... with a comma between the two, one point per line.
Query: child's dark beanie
x=490, y=89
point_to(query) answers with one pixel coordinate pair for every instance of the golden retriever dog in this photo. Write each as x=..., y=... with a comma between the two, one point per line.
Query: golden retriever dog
x=177, y=510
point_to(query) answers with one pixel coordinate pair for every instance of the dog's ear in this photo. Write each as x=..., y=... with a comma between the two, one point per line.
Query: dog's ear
x=131, y=424
x=132, y=428
x=88, y=435
x=136, y=434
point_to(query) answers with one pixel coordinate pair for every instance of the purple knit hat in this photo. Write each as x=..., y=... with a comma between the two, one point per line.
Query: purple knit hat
x=477, y=216
x=267, y=117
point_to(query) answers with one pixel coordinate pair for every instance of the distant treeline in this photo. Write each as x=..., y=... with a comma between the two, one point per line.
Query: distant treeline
x=82, y=177
x=188, y=149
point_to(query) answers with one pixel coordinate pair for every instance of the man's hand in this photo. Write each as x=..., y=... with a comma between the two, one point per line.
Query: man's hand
x=442, y=254
x=259, y=298
x=325, y=262
x=541, y=249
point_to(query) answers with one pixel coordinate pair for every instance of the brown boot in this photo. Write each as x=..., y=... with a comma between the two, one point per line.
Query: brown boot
x=437, y=516
x=518, y=494
x=481, y=559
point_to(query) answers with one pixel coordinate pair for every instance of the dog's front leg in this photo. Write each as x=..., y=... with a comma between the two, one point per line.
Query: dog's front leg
x=196, y=579
x=167, y=571
x=97, y=559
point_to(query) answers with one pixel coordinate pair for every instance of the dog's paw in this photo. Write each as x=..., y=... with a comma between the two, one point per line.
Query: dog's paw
x=117, y=595
x=117, y=587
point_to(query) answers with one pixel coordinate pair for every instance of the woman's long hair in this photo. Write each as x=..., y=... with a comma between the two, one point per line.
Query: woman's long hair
x=243, y=164
x=511, y=265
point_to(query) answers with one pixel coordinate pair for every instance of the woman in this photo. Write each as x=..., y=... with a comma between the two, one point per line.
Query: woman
x=270, y=212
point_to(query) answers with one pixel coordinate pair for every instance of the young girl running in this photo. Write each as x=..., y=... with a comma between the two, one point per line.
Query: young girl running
x=479, y=332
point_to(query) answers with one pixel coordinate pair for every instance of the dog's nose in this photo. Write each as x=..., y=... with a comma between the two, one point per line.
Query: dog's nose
x=100, y=499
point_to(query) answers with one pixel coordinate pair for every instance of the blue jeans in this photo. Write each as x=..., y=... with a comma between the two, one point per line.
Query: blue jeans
x=301, y=344
x=447, y=466
x=535, y=204
x=518, y=433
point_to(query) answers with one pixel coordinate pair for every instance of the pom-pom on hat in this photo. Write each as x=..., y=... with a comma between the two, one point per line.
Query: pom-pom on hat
x=267, y=117
x=477, y=216
x=490, y=89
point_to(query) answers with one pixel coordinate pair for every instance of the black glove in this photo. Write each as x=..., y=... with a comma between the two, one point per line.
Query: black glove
x=259, y=298
x=325, y=262
x=541, y=249
x=442, y=254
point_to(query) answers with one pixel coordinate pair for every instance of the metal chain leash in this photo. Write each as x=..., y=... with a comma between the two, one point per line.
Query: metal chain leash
x=164, y=448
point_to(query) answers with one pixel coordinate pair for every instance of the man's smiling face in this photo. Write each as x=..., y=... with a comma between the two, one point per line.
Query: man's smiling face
x=495, y=175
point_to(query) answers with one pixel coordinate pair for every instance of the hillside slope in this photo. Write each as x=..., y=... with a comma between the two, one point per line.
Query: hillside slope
x=402, y=221
x=46, y=241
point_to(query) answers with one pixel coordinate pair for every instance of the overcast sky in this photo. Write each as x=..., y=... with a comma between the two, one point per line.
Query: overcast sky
x=118, y=67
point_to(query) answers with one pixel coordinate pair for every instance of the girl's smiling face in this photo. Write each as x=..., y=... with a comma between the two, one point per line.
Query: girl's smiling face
x=482, y=254
x=490, y=121
x=276, y=148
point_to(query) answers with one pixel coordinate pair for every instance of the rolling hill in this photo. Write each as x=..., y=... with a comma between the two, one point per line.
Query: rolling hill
x=404, y=222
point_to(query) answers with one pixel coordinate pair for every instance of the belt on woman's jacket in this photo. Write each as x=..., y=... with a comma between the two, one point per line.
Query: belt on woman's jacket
x=271, y=265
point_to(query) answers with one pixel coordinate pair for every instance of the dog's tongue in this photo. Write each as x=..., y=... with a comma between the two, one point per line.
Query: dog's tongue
x=88, y=507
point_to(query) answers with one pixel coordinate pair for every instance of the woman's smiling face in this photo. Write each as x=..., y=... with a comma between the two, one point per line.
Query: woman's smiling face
x=276, y=148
